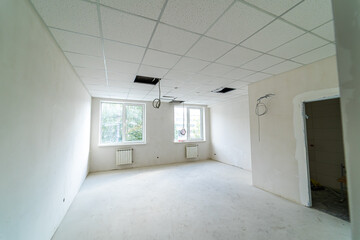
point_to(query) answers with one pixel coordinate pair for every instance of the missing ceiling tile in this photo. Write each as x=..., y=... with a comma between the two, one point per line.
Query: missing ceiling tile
x=223, y=90
x=146, y=80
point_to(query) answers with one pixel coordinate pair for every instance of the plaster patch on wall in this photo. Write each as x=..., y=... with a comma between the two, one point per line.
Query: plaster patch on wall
x=300, y=136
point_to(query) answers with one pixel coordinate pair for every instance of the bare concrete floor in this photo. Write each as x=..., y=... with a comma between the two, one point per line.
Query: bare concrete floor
x=200, y=200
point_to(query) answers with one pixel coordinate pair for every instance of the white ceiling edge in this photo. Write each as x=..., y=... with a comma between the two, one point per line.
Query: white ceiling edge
x=230, y=100
x=121, y=100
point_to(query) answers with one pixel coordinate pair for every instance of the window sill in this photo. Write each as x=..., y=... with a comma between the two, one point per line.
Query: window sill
x=195, y=141
x=121, y=144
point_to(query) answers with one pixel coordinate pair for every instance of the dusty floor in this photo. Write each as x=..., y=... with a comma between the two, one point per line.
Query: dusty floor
x=201, y=200
x=329, y=202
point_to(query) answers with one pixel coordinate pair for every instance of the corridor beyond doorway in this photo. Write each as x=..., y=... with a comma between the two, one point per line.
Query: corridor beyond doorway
x=326, y=157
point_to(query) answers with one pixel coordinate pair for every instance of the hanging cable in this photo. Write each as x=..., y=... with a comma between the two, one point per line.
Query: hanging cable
x=183, y=131
x=261, y=109
x=157, y=101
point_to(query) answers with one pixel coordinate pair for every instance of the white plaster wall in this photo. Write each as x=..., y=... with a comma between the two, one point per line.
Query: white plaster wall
x=275, y=158
x=44, y=130
x=347, y=34
x=230, y=132
x=159, y=148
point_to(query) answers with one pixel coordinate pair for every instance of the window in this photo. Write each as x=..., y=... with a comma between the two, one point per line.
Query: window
x=192, y=120
x=121, y=123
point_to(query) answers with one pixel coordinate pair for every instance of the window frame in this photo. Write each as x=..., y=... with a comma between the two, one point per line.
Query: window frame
x=124, y=127
x=202, y=124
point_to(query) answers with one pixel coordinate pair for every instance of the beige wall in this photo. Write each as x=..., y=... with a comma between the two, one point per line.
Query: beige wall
x=44, y=130
x=159, y=148
x=275, y=158
x=325, y=141
x=230, y=132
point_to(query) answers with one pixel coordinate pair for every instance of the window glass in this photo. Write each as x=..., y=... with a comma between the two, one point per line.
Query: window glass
x=121, y=123
x=134, y=123
x=180, y=123
x=191, y=119
x=111, y=122
x=195, y=123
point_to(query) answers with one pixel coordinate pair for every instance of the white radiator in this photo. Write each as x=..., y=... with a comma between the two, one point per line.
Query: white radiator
x=124, y=156
x=192, y=151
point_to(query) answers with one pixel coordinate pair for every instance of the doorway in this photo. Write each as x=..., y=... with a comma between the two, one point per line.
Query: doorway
x=326, y=157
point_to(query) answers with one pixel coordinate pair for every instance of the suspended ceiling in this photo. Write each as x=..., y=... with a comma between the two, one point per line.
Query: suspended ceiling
x=195, y=46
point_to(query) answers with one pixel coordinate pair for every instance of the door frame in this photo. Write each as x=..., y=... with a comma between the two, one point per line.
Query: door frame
x=300, y=133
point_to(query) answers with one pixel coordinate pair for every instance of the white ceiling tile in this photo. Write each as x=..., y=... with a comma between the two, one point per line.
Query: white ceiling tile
x=137, y=97
x=190, y=64
x=326, y=31
x=96, y=81
x=118, y=90
x=178, y=75
x=262, y=62
x=149, y=98
x=123, y=52
x=272, y=36
x=79, y=60
x=173, y=40
x=117, y=95
x=196, y=16
x=77, y=16
x=216, y=69
x=310, y=13
x=91, y=73
x=142, y=86
x=256, y=77
x=238, y=56
x=150, y=71
x=137, y=93
x=238, y=73
x=171, y=83
x=123, y=77
x=78, y=43
x=245, y=88
x=282, y=67
x=155, y=94
x=239, y=23
x=210, y=80
x=317, y=54
x=99, y=94
x=122, y=67
x=126, y=28
x=160, y=59
x=115, y=84
x=238, y=84
x=209, y=49
x=164, y=90
x=97, y=87
x=298, y=46
x=276, y=7
x=146, y=8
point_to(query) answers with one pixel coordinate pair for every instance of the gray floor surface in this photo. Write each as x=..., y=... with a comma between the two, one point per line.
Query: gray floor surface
x=199, y=200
